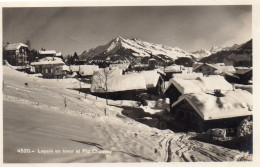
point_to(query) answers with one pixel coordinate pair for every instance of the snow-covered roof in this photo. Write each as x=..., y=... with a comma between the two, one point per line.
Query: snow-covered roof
x=15, y=46
x=65, y=68
x=47, y=52
x=215, y=82
x=48, y=60
x=188, y=76
x=120, y=66
x=87, y=70
x=211, y=107
x=220, y=64
x=229, y=69
x=160, y=71
x=243, y=70
x=151, y=78
x=210, y=65
x=74, y=68
x=58, y=54
x=187, y=86
x=200, y=84
x=174, y=68
x=229, y=74
x=116, y=82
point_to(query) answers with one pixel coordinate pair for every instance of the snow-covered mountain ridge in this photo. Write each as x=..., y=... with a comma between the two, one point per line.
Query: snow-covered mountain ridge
x=130, y=49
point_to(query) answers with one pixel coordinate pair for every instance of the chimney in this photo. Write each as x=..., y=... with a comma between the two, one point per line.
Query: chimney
x=217, y=92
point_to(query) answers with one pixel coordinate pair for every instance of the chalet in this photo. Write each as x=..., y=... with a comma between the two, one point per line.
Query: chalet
x=48, y=53
x=202, y=111
x=16, y=54
x=87, y=71
x=245, y=75
x=50, y=67
x=112, y=84
x=206, y=69
x=153, y=82
x=170, y=70
x=178, y=86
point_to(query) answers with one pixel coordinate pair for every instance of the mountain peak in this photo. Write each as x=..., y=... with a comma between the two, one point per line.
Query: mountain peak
x=130, y=49
x=119, y=38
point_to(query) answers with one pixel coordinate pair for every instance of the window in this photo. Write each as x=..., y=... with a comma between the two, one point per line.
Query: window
x=181, y=114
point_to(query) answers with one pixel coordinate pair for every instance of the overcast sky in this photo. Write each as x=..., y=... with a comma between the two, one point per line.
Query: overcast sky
x=81, y=28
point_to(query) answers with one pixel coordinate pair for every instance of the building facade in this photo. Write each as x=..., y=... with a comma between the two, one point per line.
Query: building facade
x=16, y=54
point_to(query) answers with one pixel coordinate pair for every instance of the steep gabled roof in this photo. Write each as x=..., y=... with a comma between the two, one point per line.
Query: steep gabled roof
x=210, y=65
x=210, y=107
x=15, y=46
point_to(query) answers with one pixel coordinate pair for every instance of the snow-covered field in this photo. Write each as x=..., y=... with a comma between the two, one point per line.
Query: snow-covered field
x=60, y=124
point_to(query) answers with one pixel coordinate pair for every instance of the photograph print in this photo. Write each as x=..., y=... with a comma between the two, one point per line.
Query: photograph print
x=93, y=84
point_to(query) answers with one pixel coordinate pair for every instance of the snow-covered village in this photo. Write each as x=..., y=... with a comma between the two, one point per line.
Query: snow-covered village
x=115, y=97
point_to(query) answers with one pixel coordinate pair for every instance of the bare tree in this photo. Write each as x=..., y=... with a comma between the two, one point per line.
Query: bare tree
x=101, y=80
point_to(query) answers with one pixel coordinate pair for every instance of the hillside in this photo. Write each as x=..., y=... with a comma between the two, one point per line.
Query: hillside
x=237, y=55
x=134, y=51
x=35, y=117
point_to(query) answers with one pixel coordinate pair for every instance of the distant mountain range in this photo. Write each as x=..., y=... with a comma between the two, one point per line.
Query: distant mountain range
x=199, y=54
x=237, y=55
x=134, y=51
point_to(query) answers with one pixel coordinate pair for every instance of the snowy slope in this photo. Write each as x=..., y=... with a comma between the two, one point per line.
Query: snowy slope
x=128, y=49
x=35, y=117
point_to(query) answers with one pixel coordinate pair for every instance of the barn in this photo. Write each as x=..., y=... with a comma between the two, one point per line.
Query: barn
x=203, y=111
x=112, y=84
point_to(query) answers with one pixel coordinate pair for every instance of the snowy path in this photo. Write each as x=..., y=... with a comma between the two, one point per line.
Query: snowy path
x=35, y=117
